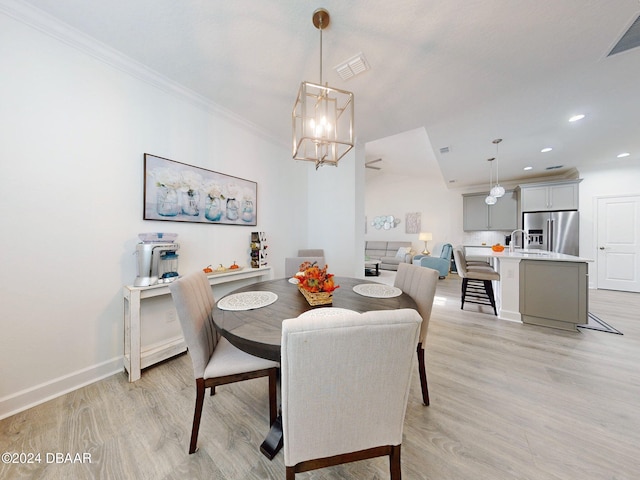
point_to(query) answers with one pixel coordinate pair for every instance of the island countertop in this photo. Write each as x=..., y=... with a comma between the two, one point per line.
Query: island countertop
x=476, y=251
x=542, y=255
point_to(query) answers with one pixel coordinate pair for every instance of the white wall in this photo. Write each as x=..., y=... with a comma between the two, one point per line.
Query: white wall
x=397, y=195
x=73, y=131
x=617, y=179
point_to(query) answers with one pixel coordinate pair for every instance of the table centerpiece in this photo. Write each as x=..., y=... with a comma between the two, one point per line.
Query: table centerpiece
x=316, y=284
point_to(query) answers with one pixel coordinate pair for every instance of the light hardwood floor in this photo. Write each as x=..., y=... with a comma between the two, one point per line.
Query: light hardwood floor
x=508, y=401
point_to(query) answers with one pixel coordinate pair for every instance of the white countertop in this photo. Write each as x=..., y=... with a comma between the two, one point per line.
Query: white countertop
x=519, y=254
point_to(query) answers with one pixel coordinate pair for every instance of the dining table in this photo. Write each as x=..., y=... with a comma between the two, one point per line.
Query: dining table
x=250, y=318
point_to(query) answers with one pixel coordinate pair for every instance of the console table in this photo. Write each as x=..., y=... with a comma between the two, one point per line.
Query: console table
x=138, y=356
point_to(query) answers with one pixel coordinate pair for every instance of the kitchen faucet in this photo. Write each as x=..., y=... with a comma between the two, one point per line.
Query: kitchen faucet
x=513, y=240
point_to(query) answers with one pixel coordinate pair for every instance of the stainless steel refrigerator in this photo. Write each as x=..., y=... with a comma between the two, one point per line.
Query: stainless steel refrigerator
x=552, y=231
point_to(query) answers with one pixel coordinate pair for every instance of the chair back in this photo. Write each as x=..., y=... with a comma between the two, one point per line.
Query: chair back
x=194, y=302
x=292, y=264
x=461, y=261
x=420, y=284
x=345, y=381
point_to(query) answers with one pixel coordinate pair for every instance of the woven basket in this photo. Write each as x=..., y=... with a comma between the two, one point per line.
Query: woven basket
x=319, y=298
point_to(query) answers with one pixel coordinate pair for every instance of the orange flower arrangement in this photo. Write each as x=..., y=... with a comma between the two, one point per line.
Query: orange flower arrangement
x=315, y=279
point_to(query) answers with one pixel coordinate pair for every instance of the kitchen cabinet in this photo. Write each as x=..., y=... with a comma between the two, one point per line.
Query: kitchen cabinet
x=502, y=216
x=539, y=197
x=554, y=294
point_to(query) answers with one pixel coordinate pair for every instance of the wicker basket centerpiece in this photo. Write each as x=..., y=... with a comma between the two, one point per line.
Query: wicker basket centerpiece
x=315, y=284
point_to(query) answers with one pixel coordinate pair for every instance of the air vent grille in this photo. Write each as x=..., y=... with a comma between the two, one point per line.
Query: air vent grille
x=631, y=39
x=444, y=150
x=352, y=67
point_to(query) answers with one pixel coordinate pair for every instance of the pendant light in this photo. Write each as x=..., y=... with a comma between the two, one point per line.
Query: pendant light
x=490, y=199
x=498, y=190
x=322, y=116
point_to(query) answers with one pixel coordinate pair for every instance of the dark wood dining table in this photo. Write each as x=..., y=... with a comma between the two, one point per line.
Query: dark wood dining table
x=259, y=331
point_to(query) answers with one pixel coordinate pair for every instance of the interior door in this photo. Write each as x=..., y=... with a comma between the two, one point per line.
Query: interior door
x=618, y=243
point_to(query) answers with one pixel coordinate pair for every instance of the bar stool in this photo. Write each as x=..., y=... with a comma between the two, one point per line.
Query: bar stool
x=476, y=281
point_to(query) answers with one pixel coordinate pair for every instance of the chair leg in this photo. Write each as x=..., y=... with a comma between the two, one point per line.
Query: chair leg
x=213, y=391
x=394, y=463
x=423, y=375
x=464, y=291
x=488, y=287
x=273, y=396
x=291, y=473
x=197, y=414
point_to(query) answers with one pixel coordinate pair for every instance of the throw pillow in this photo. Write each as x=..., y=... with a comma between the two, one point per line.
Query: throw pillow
x=402, y=251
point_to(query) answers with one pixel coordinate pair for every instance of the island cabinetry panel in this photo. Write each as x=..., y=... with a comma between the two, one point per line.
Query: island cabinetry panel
x=548, y=197
x=554, y=294
x=477, y=215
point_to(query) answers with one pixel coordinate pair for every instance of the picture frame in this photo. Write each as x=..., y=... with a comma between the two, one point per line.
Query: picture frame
x=178, y=192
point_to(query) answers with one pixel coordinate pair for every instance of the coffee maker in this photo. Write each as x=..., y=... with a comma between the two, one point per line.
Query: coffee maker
x=157, y=259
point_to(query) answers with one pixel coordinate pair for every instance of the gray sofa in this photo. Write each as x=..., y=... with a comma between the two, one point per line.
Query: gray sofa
x=387, y=253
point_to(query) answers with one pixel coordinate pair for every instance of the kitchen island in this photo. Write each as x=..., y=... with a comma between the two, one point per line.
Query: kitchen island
x=540, y=288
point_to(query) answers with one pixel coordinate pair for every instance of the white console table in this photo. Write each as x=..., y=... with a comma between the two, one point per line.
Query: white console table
x=137, y=356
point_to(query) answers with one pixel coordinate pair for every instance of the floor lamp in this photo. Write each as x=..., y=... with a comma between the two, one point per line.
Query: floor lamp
x=425, y=237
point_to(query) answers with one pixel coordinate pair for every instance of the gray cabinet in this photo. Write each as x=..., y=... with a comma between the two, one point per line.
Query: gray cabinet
x=539, y=197
x=502, y=216
x=554, y=294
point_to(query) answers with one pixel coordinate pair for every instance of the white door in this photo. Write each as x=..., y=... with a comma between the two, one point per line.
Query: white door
x=618, y=243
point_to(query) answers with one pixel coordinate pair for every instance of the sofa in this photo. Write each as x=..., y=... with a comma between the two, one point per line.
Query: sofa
x=388, y=253
x=440, y=259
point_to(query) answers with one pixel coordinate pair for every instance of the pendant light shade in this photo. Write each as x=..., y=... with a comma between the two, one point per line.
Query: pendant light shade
x=322, y=116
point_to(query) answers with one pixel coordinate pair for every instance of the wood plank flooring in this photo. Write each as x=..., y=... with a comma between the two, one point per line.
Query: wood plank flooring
x=508, y=401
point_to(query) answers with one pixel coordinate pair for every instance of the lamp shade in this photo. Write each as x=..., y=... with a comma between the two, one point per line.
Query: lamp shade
x=426, y=236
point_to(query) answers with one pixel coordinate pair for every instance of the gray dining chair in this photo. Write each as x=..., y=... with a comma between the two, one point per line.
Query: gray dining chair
x=420, y=284
x=345, y=379
x=215, y=361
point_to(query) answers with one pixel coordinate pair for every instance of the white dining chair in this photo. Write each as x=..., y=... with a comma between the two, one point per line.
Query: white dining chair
x=215, y=361
x=420, y=284
x=345, y=381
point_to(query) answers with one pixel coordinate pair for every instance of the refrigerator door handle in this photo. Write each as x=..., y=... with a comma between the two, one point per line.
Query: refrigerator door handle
x=550, y=245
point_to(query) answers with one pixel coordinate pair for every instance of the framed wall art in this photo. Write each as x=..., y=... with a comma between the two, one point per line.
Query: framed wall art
x=413, y=222
x=178, y=192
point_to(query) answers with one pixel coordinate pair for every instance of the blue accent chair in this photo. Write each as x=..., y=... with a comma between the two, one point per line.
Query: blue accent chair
x=440, y=259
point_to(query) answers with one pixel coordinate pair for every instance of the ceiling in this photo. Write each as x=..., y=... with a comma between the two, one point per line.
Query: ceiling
x=464, y=71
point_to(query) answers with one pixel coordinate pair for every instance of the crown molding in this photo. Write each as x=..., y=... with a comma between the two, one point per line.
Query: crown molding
x=51, y=26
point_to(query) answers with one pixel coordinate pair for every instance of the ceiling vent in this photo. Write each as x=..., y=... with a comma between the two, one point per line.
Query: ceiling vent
x=554, y=167
x=444, y=150
x=352, y=67
x=631, y=39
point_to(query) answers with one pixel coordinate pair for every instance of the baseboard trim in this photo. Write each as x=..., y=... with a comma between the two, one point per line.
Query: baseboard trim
x=30, y=397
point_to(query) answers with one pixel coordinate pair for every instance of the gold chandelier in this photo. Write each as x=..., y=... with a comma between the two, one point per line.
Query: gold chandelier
x=322, y=116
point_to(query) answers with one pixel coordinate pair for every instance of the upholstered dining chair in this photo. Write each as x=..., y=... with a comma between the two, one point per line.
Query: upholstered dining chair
x=292, y=264
x=215, y=361
x=420, y=284
x=345, y=380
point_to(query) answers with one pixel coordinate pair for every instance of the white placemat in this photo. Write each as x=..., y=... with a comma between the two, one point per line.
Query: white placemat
x=325, y=312
x=247, y=300
x=377, y=290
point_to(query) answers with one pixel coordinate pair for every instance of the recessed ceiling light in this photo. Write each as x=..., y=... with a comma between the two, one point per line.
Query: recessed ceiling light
x=546, y=149
x=528, y=168
x=575, y=118
x=624, y=154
